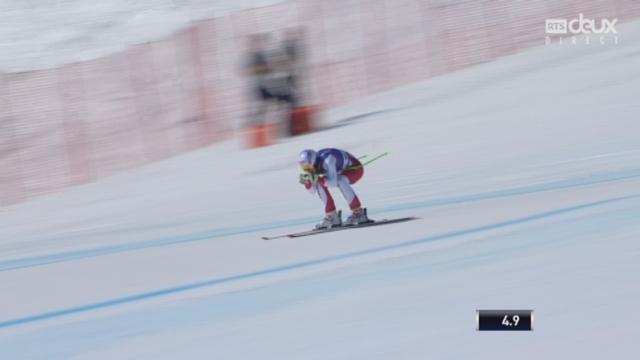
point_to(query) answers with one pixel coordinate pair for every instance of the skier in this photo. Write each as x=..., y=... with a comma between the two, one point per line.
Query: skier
x=333, y=168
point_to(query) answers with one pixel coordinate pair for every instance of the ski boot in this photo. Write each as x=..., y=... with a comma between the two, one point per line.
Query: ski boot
x=357, y=217
x=331, y=220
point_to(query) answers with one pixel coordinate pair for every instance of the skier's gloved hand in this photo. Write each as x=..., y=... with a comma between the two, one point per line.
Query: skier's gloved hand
x=308, y=178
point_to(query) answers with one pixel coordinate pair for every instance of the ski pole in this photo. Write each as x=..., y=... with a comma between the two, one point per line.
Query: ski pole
x=376, y=158
x=368, y=162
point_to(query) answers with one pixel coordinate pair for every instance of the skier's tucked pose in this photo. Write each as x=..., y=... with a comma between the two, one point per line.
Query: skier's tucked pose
x=333, y=168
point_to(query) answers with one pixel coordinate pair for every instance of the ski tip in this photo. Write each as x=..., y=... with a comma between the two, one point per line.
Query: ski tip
x=274, y=237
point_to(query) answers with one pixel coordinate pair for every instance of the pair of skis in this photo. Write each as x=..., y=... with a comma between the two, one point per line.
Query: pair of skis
x=340, y=228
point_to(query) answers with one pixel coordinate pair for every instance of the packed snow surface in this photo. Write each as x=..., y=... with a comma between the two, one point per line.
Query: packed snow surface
x=524, y=172
x=42, y=34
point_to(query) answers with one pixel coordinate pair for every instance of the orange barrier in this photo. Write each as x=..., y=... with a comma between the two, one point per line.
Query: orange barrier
x=301, y=120
x=260, y=136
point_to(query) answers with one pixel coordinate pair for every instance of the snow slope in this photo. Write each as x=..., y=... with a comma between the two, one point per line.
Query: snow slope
x=36, y=35
x=525, y=174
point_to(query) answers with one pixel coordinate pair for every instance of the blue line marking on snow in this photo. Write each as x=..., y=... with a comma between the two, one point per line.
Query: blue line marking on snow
x=239, y=230
x=524, y=190
x=304, y=264
x=114, y=249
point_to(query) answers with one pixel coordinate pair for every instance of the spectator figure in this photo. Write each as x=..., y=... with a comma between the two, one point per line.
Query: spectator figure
x=302, y=114
x=293, y=49
x=268, y=77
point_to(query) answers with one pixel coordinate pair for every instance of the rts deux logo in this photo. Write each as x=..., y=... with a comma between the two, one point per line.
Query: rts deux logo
x=603, y=29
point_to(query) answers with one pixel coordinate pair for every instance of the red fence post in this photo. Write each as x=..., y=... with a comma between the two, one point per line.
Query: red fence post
x=204, y=107
x=12, y=189
x=73, y=108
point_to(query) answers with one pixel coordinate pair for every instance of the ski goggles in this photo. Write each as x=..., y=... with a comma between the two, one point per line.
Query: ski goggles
x=308, y=167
